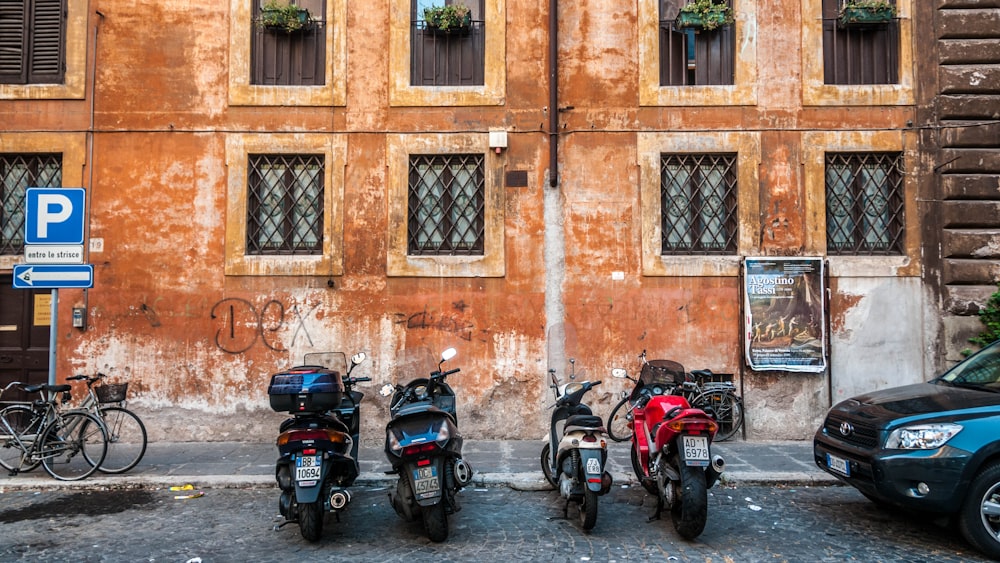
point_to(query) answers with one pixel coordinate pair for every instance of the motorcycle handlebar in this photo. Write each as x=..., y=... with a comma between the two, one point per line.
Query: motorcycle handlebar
x=442, y=374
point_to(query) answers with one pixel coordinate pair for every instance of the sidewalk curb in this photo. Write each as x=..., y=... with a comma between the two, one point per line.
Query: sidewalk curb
x=516, y=481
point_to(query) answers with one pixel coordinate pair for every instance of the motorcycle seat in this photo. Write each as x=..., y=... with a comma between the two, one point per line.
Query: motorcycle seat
x=584, y=421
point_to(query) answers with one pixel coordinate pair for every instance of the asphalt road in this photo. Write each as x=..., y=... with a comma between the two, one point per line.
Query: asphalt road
x=772, y=524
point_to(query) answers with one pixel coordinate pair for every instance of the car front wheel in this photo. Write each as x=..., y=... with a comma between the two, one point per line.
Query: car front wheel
x=980, y=517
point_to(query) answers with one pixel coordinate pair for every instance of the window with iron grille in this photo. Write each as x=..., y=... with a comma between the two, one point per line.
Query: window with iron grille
x=18, y=172
x=288, y=58
x=285, y=204
x=690, y=57
x=446, y=205
x=32, y=41
x=698, y=203
x=858, y=55
x=454, y=57
x=864, y=203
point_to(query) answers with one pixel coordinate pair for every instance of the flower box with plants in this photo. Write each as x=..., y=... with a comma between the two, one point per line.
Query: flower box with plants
x=287, y=18
x=452, y=18
x=704, y=14
x=861, y=13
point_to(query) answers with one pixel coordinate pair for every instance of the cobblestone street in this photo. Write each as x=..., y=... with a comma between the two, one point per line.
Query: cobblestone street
x=746, y=523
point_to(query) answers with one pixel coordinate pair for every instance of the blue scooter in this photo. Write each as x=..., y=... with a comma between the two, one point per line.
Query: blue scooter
x=318, y=445
x=424, y=448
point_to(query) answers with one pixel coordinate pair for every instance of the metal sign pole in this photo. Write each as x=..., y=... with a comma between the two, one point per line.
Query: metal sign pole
x=53, y=324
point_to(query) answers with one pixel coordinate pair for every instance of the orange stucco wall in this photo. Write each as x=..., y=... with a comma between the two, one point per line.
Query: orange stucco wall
x=199, y=346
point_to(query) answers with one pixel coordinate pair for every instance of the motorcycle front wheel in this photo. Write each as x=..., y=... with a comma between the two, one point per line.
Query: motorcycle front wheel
x=546, y=470
x=311, y=520
x=690, y=509
x=435, y=521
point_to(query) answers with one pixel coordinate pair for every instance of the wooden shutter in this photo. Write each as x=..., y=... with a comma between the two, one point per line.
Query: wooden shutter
x=12, y=42
x=47, y=42
x=32, y=41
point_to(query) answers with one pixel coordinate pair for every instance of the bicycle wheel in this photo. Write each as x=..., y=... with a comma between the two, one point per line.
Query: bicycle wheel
x=126, y=440
x=728, y=409
x=69, y=444
x=18, y=423
x=620, y=421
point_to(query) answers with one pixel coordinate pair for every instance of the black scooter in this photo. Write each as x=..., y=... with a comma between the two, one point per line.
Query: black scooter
x=318, y=445
x=425, y=449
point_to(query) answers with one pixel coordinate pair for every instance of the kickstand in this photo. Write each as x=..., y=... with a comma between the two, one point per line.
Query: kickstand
x=659, y=509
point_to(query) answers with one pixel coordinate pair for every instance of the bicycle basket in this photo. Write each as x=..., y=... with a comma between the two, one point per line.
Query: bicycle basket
x=111, y=392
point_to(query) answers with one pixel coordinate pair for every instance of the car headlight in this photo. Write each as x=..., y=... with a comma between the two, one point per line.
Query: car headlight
x=922, y=436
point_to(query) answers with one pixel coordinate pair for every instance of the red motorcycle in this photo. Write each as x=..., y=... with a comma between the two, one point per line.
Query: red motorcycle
x=672, y=445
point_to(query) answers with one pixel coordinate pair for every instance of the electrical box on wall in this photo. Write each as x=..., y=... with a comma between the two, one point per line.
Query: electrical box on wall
x=498, y=140
x=79, y=317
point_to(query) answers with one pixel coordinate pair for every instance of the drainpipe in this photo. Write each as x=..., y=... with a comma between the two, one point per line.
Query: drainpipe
x=553, y=93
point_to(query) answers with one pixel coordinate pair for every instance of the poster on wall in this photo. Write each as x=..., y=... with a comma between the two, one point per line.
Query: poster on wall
x=785, y=314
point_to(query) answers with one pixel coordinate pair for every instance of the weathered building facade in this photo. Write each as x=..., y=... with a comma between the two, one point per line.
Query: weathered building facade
x=554, y=182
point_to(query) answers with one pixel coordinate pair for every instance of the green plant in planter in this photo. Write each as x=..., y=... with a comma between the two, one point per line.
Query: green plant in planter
x=705, y=14
x=289, y=18
x=865, y=12
x=990, y=315
x=448, y=18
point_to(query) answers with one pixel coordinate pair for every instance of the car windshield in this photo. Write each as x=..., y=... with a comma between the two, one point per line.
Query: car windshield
x=981, y=370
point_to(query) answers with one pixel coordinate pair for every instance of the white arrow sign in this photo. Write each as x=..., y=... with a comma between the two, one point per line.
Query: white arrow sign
x=39, y=276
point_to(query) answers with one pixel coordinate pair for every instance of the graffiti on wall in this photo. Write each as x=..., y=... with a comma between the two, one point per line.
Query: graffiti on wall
x=437, y=320
x=242, y=325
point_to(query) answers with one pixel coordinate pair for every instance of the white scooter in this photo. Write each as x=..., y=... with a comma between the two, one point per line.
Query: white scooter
x=574, y=459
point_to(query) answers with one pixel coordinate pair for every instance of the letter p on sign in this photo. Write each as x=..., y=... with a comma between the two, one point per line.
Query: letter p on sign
x=54, y=216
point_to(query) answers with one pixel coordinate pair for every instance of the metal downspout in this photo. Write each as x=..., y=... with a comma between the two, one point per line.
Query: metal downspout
x=553, y=93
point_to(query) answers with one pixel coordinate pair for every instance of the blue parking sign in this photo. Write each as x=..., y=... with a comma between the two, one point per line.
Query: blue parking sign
x=54, y=215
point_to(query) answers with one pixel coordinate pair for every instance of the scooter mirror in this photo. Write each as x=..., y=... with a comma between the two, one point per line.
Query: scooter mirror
x=358, y=358
x=618, y=372
x=387, y=389
x=448, y=354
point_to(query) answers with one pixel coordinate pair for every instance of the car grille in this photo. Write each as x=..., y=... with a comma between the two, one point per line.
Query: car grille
x=864, y=435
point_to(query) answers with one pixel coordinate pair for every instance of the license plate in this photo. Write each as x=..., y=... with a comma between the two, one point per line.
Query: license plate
x=695, y=450
x=308, y=468
x=839, y=465
x=425, y=481
x=594, y=466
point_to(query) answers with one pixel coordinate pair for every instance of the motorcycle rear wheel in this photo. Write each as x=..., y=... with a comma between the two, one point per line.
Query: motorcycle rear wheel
x=435, y=521
x=588, y=509
x=690, y=509
x=311, y=520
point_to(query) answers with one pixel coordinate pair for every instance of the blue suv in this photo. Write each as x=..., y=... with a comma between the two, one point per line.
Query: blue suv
x=933, y=447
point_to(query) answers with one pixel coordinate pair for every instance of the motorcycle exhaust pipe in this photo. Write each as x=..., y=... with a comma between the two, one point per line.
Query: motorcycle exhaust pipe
x=339, y=499
x=714, y=470
x=463, y=472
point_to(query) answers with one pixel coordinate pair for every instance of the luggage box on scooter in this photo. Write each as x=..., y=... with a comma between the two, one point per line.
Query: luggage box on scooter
x=305, y=389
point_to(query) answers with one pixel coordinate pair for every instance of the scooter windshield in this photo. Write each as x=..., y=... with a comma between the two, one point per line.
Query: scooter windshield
x=661, y=372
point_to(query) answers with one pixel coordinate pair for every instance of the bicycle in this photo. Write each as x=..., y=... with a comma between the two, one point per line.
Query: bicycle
x=66, y=444
x=717, y=397
x=127, y=438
